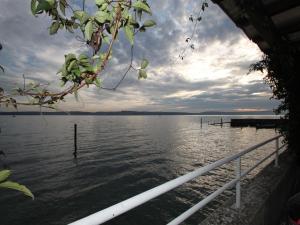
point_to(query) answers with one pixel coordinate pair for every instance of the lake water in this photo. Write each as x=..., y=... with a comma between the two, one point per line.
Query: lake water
x=118, y=157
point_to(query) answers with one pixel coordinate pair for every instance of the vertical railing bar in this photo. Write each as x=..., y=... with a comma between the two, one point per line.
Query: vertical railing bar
x=202, y=203
x=124, y=206
x=238, y=184
x=257, y=164
x=209, y=198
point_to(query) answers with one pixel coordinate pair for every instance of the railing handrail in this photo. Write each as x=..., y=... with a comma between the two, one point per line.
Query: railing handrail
x=126, y=205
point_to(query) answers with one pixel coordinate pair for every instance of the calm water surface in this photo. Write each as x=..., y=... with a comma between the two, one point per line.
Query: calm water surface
x=118, y=157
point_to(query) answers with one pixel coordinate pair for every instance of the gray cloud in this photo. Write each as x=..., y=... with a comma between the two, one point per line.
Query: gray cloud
x=219, y=45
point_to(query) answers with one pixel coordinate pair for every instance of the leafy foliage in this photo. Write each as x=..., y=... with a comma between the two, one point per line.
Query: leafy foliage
x=275, y=77
x=99, y=27
x=282, y=71
x=4, y=183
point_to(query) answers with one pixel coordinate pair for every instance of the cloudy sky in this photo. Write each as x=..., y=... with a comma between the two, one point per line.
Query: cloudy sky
x=213, y=76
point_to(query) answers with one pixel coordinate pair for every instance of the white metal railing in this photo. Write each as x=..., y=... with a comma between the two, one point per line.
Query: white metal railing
x=124, y=206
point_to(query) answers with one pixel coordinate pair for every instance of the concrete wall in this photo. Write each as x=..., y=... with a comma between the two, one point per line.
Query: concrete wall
x=264, y=199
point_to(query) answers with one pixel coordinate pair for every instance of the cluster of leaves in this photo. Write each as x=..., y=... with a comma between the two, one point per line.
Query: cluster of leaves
x=277, y=68
x=99, y=27
x=5, y=183
x=281, y=69
x=75, y=69
x=142, y=72
x=58, y=15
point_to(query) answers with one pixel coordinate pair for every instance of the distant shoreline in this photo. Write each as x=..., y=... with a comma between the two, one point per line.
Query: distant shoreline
x=139, y=113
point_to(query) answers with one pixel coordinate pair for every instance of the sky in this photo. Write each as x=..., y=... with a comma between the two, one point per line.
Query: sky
x=212, y=77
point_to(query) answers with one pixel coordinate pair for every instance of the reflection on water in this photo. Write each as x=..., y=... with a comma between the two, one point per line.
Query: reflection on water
x=118, y=157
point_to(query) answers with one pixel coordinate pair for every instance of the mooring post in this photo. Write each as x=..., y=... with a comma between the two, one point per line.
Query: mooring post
x=75, y=141
x=221, y=122
x=201, y=122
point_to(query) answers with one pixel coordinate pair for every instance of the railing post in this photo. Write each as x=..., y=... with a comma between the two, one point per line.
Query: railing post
x=238, y=184
x=277, y=151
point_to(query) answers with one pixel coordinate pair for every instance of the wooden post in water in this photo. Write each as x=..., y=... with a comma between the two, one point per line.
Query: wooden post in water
x=221, y=122
x=75, y=141
x=201, y=122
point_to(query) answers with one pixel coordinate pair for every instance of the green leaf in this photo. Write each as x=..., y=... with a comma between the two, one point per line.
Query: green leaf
x=71, y=65
x=63, y=70
x=149, y=23
x=139, y=5
x=96, y=68
x=133, y=22
x=125, y=14
x=112, y=29
x=101, y=17
x=142, y=29
x=95, y=57
x=83, y=58
x=88, y=31
x=142, y=74
x=76, y=73
x=69, y=58
x=62, y=6
x=76, y=93
x=129, y=32
x=82, y=16
x=99, y=2
x=51, y=2
x=106, y=39
x=70, y=28
x=44, y=5
x=4, y=174
x=144, y=63
x=54, y=28
x=78, y=14
x=18, y=187
x=104, y=7
x=33, y=6
x=97, y=82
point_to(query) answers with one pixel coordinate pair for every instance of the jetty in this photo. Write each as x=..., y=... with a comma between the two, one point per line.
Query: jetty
x=258, y=123
x=252, y=122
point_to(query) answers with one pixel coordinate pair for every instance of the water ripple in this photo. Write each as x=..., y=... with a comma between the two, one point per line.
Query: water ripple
x=118, y=157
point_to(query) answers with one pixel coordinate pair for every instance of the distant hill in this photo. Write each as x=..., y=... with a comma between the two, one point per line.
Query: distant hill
x=129, y=113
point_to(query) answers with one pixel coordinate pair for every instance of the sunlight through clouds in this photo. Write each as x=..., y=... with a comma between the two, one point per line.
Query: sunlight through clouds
x=210, y=77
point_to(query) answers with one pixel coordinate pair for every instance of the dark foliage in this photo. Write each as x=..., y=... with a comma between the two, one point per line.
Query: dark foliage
x=282, y=66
